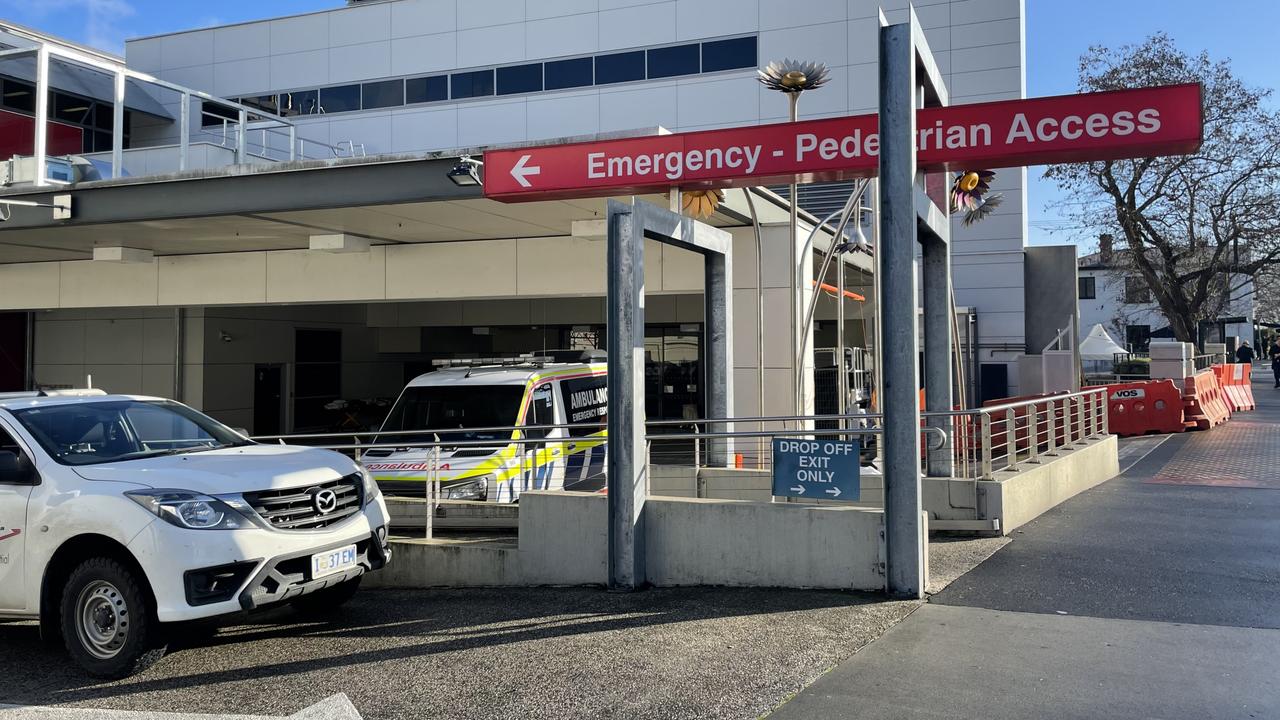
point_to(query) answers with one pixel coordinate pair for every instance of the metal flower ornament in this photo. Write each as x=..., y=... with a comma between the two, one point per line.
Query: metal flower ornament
x=970, y=193
x=794, y=76
x=700, y=204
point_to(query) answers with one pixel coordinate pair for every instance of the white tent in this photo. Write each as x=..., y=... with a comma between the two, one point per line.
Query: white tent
x=1099, y=345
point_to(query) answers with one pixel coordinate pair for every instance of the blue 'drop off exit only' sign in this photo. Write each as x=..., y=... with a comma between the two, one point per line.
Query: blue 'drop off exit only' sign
x=823, y=469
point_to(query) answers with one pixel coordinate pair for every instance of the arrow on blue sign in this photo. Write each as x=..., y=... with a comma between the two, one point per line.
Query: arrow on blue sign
x=814, y=468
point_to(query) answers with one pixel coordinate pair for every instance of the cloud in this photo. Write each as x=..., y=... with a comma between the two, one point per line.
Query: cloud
x=102, y=19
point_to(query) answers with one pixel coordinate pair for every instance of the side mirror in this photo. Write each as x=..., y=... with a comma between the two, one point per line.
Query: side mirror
x=14, y=470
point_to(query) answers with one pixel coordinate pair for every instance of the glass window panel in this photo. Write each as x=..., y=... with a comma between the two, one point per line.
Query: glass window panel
x=72, y=109
x=673, y=61
x=265, y=103
x=477, y=83
x=426, y=89
x=520, y=79
x=729, y=54
x=577, y=72
x=214, y=114
x=342, y=98
x=300, y=102
x=619, y=67
x=386, y=93
x=18, y=95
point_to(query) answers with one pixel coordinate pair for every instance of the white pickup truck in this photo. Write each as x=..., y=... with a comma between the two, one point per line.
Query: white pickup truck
x=120, y=515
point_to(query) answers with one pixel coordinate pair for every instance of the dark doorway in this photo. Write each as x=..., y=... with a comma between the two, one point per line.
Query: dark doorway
x=13, y=351
x=268, y=399
x=994, y=381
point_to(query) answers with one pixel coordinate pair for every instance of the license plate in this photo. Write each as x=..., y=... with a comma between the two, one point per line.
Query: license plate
x=333, y=561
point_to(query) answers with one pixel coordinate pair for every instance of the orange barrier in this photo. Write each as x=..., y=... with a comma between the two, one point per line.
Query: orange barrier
x=1144, y=407
x=1237, y=383
x=1203, y=401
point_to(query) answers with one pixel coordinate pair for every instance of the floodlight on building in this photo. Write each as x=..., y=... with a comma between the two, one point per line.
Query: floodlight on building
x=467, y=172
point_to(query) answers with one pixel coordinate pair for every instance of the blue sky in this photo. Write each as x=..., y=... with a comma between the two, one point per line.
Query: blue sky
x=1058, y=31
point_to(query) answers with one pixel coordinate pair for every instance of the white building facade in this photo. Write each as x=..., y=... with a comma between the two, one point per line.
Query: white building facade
x=406, y=78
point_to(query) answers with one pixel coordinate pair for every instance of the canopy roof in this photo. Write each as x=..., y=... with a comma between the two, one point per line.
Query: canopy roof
x=1099, y=345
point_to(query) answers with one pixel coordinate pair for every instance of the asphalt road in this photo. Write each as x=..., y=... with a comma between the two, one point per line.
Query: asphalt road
x=509, y=653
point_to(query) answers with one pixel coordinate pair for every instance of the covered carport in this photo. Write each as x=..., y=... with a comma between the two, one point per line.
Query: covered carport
x=262, y=293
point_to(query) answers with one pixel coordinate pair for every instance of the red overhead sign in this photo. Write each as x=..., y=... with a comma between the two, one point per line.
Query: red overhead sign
x=1067, y=128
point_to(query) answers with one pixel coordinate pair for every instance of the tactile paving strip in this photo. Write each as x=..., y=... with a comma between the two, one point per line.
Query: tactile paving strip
x=1237, y=454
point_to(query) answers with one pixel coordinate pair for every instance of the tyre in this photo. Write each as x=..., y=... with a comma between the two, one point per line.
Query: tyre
x=108, y=626
x=327, y=601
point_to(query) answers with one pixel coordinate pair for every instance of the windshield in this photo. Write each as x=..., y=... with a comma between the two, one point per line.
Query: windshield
x=460, y=407
x=100, y=432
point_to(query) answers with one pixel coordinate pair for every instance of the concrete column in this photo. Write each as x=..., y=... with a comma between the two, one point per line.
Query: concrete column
x=718, y=314
x=936, y=279
x=627, y=468
x=903, y=546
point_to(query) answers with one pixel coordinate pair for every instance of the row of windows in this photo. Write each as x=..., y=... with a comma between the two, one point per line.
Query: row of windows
x=605, y=69
x=94, y=118
x=1136, y=291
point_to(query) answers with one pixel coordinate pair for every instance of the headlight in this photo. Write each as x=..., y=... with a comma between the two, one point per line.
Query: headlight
x=189, y=510
x=371, y=490
x=473, y=489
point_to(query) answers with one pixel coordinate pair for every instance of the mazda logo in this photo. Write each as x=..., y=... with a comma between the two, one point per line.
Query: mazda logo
x=324, y=501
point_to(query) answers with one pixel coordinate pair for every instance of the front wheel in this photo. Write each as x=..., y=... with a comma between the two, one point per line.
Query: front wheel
x=107, y=623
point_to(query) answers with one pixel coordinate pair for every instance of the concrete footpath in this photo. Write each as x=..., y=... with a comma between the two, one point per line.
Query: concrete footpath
x=1154, y=595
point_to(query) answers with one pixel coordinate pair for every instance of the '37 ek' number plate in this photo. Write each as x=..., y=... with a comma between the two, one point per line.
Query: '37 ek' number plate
x=334, y=561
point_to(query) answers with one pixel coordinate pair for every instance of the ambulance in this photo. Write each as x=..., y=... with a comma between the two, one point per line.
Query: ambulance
x=488, y=418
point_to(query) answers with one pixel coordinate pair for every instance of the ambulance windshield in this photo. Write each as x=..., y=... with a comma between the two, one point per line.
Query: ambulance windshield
x=454, y=412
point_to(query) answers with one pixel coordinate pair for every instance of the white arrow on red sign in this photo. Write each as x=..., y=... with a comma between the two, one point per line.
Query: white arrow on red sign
x=521, y=171
x=1068, y=128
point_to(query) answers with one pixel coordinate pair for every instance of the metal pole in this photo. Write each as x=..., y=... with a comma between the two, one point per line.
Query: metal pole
x=117, y=127
x=241, y=136
x=755, y=225
x=626, y=478
x=793, y=286
x=179, y=353
x=904, y=554
x=718, y=313
x=184, y=131
x=42, y=115
x=936, y=273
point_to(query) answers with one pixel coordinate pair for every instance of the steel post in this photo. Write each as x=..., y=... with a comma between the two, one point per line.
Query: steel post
x=41, y=141
x=938, y=391
x=117, y=126
x=897, y=304
x=184, y=131
x=718, y=314
x=626, y=478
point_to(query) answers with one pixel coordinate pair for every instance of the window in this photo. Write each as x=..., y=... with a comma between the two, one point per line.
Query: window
x=426, y=89
x=318, y=381
x=342, y=98
x=673, y=61
x=266, y=103
x=619, y=67
x=70, y=108
x=1137, y=338
x=478, y=83
x=1088, y=289
x=302, y=102
x=562, y=74
x=387, y=93
x=586, y=404
x=520, y=79
x=466, y=408
x=1136, y=291
x=542, y=411
x=215, y=114
x=729, y=54
x=18, y=95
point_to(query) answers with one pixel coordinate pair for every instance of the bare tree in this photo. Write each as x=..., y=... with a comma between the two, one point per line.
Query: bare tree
x=1196, y=228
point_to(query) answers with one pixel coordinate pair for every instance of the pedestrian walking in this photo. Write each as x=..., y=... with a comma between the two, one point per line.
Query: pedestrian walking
x=1244, y=354
x=1275, y=360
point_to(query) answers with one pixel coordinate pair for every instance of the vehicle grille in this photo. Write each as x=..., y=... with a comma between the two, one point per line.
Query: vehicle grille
x=295, y=509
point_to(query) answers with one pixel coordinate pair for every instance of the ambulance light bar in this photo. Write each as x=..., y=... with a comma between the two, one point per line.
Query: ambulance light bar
x=492, y=361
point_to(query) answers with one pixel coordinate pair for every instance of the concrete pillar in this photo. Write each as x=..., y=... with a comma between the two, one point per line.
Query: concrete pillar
x=627, y=465
x=718, y=314
x=903, y=546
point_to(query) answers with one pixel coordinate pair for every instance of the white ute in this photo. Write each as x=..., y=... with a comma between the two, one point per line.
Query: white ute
x=120, y=515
